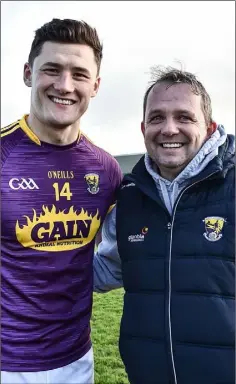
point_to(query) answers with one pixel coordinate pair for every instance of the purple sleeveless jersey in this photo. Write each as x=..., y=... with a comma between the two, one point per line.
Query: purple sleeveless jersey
x=54, y=199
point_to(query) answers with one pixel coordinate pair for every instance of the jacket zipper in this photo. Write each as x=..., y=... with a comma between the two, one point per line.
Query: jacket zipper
x=170, y=226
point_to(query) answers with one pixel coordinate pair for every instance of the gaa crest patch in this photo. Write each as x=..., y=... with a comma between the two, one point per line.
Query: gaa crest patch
x=213, y=227
x=92, y=180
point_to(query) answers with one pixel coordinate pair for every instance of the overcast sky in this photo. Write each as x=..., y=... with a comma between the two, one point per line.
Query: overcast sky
x=136, y=35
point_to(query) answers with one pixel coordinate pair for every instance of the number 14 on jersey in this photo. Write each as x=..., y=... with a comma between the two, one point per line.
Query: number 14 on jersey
x=64, y=192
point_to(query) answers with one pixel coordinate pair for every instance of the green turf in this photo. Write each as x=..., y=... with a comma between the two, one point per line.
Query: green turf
x=107, y=310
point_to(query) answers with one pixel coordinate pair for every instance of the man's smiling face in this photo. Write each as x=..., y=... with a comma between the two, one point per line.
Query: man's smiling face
x=175, y=128
x=63, y=79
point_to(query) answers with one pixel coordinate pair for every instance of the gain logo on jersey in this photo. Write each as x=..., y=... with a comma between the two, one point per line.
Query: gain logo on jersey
x=58, y=231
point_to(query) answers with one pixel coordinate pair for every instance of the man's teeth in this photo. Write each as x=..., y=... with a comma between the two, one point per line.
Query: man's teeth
x=62, y=101
x=172, y=145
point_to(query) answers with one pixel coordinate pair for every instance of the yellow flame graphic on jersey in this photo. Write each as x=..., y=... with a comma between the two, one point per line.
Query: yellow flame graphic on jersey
x=58, y=231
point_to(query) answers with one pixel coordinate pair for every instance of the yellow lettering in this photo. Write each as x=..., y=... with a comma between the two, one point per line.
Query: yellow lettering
x=61, y=175
x=65, y=191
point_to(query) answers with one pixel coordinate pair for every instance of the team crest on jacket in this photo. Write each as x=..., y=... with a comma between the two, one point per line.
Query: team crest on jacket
x=213, y=227
x=92, y=180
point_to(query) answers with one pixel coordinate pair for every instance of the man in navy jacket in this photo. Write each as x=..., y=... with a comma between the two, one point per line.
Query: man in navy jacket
x=170, y=242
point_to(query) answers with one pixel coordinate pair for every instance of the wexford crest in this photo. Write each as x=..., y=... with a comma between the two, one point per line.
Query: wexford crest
x=92, y=180
x=213, y=227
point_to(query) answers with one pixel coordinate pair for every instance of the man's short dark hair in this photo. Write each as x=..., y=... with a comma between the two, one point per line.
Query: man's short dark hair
x=66, y=31
x=173, y=76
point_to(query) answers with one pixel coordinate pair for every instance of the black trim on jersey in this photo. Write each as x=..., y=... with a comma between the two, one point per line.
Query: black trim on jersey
x=9, y=127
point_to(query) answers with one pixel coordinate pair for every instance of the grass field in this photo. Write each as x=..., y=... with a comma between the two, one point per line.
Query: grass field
x=107, y=310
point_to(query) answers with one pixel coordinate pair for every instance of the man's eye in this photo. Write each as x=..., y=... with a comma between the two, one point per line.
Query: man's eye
x=156, y=118
x=184, y=118
x=51, y=71
x=78, y=75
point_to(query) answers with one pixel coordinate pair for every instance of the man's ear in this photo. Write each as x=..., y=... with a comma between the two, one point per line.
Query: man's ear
x=96, y=87
x=27, y=75
x=211, y=128
x=143, y=128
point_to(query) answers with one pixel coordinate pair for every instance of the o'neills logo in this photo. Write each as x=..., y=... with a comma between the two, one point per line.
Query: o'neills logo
x=58, y=231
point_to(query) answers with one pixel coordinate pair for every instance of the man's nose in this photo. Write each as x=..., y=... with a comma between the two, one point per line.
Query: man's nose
x=169, y=128
x=64, y=83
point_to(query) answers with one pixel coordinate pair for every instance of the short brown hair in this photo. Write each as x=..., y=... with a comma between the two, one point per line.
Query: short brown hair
x=66, y=31
x=173, y=76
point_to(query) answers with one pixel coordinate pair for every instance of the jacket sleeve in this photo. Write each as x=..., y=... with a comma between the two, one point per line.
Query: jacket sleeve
x=107, y=263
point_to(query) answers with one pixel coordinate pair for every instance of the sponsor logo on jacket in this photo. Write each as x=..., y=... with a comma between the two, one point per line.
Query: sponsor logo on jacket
x=139, y=236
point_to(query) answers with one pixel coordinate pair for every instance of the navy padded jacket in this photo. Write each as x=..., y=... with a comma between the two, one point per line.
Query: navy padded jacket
x=179, y=277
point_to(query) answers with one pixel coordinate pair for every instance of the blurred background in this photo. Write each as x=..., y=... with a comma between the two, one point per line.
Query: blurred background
x=136, y=35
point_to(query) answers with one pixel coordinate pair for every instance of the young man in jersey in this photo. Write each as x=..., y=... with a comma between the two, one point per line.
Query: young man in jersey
x=171, y=242
x=57, y=188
